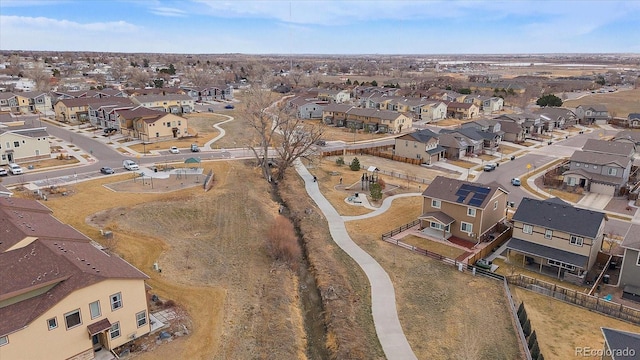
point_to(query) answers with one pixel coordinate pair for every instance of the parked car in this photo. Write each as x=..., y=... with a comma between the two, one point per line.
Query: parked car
x=15, y=169
x=321, y=143
x=195, y=148
x=130, y=165
x=490, y=167
x=174, y=150
x=515, y=182
x=210, y=109
x=484, y=264
x=110, y=130
x=107, y=170
x=229, y=106
x=3, y=172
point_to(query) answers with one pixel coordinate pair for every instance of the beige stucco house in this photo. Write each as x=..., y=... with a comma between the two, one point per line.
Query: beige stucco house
x=171, y=103
x=152, y=125
x=466, y=210
x=22, y=143
x=61, y=296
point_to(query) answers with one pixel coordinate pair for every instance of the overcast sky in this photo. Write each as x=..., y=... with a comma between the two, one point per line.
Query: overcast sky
x=321, y=27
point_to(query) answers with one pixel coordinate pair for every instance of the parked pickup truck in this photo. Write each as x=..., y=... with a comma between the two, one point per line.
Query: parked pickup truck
x=484, y=264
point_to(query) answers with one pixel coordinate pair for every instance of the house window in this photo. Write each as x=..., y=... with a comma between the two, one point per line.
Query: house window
x=52, y=323
x=495, y=205
x=586, y=166
x=4, y=340
x=548, y=234
x=16, y=144
x=576, y=240
x=116, y=301
x=595, y=167
x=612, y=172
x=527, y=229
x=114, y=331
x=157, y=134
x=466, y=227
x=94, y=308
x=72, y=319
x=578, y=164
x=141, y=318
x=438, y=226
x=435, y=203
x=560, y=264
x=471, y=212
x=638, y=260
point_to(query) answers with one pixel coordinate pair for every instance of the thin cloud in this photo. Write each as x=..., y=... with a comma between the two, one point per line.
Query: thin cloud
x=23, y=22
x=171, y=12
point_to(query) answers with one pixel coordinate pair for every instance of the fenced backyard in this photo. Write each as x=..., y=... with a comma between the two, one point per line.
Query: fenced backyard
x=584, y=300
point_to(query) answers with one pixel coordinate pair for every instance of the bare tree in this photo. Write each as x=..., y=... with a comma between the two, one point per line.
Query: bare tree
x=199, y=77
x=40, y=77
x=14, y=67
x=277, y=129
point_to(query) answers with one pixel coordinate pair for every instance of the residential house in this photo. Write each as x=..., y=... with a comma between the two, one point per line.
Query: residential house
x=473, y=139
x=334, y=96
x=20, y=142
x=592, y=114
x=629, y=136
x=73, y=110
x=454, y=147
x=619, y=345
x=531, y=124
x=629, y=279
x=171, y=103
x=556, y=118
x=489, y=129
x=336, y=114
x=422, y=108
x=602, y=167
x=307, y=108
x=513, y=132
x=466, y=210
x=421, y=144
x=152, y=125
x=633, y=120
x=34, y=101
x=61, y=288
x=486, y=104
x=8, y=102
x=102, y=112
x=556, y=238
x=463, y=111
x=209, y=93
x=443, y=95
x=373, y=120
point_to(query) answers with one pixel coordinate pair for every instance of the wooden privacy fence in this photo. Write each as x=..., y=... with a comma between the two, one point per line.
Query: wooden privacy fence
x=379, y=151
x=581, y=299
x=492, y=246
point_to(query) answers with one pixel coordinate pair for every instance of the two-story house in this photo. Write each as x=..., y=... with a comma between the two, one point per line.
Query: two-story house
x=20, y=142
x=61, y=291
x=421, y=144
x=466, y=210
x=593, y=114
x=602, y=167
x=462, y=111
x=34, y=101
x=513, y=132
x=335, y=114
x=556, y=117
x=629, y=279
x=307, y=108
x=374, y=120
x=556, y=238
x=171, y=103
x=472, y=138
x=152, y=125
x=9, y=102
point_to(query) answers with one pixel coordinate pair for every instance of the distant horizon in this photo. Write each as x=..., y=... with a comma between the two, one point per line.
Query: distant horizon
x=327, y=27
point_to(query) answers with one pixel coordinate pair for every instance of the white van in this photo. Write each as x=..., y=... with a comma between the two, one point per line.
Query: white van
x=15, y=169
x=130, y=165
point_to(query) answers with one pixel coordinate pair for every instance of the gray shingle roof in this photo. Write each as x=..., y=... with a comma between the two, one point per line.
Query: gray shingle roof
x=548, y=252
x=619, y=340
x=446, y=189
x=608, y=147
x=558, y=216
x=590, y=157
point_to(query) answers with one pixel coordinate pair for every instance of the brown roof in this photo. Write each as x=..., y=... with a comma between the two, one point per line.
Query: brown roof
x=22, y=218
x=459, y=105
x=140, y=112
x=99, y=326
x=446, y=189
x=96, y=102
x=59, y=261
x=375, y=113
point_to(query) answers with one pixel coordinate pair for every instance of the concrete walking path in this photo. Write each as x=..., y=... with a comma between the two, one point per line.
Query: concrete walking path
x=386, y=204
x=383, y=300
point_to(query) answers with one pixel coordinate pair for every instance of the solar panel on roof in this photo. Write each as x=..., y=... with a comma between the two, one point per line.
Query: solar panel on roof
x=475, y=202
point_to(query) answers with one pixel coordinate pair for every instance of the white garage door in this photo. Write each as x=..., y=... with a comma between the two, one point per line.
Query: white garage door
x=603, y=189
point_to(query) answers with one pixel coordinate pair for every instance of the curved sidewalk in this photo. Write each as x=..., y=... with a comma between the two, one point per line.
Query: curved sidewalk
x=386, y=204
x=383, y=299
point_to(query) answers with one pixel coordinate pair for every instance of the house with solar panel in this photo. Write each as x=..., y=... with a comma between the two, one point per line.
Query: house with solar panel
x=462, y=209
x=555, y=238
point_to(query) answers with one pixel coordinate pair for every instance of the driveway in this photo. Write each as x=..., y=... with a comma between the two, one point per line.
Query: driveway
x=594, y=201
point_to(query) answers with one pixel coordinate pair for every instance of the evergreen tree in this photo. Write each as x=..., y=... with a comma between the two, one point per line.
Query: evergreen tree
x=355, y=164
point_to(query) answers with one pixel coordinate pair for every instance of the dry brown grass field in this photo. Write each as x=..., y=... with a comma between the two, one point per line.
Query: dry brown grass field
x=561, y=327
x=434, y=246
x=619, y=104
x=242, y=304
